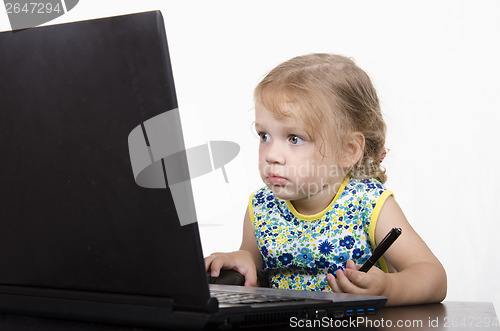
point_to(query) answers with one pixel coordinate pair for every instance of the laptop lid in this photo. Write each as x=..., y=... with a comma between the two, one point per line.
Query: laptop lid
x=72, y=215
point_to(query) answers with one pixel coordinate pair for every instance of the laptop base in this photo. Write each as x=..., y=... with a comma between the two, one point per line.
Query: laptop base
x=144, y=311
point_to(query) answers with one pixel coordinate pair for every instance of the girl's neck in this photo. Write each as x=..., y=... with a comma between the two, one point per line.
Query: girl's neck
x=316, y=203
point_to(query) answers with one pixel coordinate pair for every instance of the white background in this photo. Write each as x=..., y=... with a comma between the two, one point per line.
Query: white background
x=436, y=66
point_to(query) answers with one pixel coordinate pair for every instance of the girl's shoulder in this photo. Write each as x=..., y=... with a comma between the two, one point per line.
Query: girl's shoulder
x=366, y=185
x=363, y=192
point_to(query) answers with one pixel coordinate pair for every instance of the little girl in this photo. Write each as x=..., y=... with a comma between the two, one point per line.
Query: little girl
x=324, y=208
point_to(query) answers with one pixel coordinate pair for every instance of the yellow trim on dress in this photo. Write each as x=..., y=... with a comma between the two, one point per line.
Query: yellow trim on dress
x=323, y=212
x=373, y=225
x=250, y=208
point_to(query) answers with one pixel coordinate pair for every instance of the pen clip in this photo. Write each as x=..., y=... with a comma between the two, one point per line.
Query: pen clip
x=394, y=231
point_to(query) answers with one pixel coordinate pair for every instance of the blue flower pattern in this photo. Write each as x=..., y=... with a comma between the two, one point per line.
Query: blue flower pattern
x=297, y=254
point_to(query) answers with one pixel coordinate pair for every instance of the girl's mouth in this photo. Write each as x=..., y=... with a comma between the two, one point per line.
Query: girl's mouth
x=277, y=180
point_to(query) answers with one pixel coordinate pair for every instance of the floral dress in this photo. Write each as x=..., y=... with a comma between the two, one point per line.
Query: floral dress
x=299, y=250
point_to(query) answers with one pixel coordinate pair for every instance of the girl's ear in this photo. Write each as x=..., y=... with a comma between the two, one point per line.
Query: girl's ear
x=353, y=150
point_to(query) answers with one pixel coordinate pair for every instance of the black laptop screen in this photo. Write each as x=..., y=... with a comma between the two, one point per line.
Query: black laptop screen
x=71, y=215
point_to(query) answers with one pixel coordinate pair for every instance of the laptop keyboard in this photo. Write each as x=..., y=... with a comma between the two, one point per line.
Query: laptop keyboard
x=249, y=298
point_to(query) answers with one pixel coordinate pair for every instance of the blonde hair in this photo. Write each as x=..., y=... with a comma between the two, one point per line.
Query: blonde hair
x=335, y=98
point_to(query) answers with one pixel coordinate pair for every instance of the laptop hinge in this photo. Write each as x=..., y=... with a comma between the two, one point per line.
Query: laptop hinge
x=212, y=306
x=86, y=306
x=107, y=297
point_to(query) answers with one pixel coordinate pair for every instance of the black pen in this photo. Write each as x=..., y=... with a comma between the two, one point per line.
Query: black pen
x=381, y=248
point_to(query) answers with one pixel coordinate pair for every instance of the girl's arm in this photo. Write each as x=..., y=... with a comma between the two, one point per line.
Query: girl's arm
x=246, y=261
x=416, y=276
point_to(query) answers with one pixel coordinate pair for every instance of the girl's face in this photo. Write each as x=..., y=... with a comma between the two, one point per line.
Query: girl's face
x=290, y=162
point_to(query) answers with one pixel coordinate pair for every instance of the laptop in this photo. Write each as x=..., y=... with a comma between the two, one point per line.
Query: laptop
x=92, y=226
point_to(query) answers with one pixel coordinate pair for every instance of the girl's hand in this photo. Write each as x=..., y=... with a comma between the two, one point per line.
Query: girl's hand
x=350, y=280
x=240, y=261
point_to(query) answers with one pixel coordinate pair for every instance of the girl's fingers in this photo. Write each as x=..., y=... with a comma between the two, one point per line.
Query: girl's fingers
x=250, y=278
x=208, y=262
x=214, y=263
x=332, y=281
x=351, y=265
x=358, y=278
x=345, y=283
x=215, y=268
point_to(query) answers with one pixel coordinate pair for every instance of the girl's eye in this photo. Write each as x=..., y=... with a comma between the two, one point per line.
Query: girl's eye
x=264, y=136
x=295, y=140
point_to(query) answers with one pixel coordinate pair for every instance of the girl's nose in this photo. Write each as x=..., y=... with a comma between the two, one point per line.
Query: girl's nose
x=275, y=154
